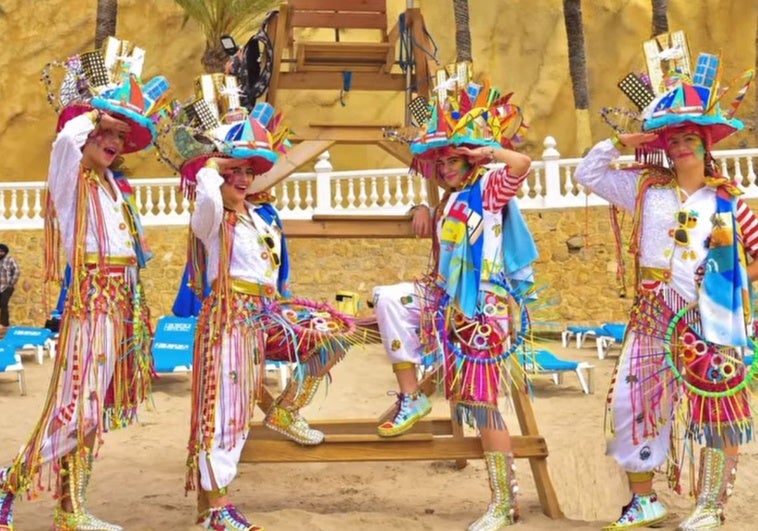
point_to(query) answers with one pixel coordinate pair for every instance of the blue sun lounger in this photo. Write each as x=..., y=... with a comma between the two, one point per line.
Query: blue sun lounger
x=11, y=362
x=542, y=361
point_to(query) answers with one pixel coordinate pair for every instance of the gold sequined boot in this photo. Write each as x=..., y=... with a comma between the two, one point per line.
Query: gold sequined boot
x=76, y=474
x=503, y=509
x=286, y=419
x=717, y=474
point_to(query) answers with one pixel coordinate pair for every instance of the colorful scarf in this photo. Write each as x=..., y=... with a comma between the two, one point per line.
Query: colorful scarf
x=461, y=244
x=724, y=298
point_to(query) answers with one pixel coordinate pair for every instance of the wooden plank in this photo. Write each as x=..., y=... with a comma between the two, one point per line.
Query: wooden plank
x=340, y=5
x=286, y=164
x=348, y=228
x=422, y=46
x=335, y=81
x=528, y=424
x=339, y=20
x=439, y=448
x=342, y=134
x=277, y=35
x=397, y=150
x=429, y=426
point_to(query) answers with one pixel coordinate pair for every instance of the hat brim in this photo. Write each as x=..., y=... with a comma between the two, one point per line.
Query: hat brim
x=426, y=153
x=718, y=127
x=142, y=132
x=260, y=165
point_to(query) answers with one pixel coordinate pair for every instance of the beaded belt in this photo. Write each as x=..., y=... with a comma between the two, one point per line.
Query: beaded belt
x=655, y=273
x=251, y=288
x=113, y=264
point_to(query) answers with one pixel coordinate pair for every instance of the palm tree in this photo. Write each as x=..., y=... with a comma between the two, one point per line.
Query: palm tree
x=223, y=17
x=462, y=31
x=572, y=17
x=107, y=13
x=660, y=17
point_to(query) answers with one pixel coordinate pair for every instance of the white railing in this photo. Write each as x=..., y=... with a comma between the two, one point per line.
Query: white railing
x=361, y=192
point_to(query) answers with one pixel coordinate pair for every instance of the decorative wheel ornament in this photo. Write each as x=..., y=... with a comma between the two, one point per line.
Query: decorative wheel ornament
x=298, y=327
x=704, y=369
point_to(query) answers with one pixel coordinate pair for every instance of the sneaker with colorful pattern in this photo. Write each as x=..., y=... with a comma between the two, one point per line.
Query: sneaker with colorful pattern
x=409, y=409
x=643, y=511
x=292, y=425
x=226, y=518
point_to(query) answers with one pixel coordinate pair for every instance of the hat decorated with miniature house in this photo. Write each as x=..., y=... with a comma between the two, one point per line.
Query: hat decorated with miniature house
x=215, y=124
x=109, y=80
x=675, y=93
x=460, y=113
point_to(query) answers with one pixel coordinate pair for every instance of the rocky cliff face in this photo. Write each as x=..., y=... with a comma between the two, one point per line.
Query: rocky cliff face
x=521, y=44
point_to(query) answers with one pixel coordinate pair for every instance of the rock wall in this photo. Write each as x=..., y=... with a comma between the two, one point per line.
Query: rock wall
x=521, y=44
x=577, y=285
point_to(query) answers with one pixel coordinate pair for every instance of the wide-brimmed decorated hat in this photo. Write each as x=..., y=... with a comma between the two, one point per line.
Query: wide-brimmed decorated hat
x=109, y=79
x=213, y=123
x=675, y=93
x=460, y=113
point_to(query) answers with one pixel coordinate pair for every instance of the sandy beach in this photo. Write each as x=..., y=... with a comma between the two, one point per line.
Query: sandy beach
x=138, y=481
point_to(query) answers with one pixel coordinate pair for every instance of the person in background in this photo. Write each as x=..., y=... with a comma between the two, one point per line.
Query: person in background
x=9, y=273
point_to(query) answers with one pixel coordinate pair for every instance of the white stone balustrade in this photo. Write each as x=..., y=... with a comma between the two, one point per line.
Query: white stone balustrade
x=360, y=192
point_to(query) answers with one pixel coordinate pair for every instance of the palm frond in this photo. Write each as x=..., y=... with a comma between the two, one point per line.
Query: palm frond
x=220, y=17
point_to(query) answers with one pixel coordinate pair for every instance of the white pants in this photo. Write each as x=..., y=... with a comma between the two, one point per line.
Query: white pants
x=398, y=315
x=218, y=467
x=650, y=451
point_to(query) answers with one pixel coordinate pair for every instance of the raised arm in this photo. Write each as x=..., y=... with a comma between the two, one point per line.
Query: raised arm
x=65, y=159
x=615, y=186
x=209, y=206
x=503, y=183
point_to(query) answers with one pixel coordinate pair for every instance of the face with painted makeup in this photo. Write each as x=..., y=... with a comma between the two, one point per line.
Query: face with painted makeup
x=452, y=168
x=238, y=175
x=686, y=148
x=105, y=143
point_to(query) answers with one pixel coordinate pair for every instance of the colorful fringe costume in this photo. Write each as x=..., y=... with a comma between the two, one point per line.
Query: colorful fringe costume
x=102, y=370
x=244, y=322
x=672, y=386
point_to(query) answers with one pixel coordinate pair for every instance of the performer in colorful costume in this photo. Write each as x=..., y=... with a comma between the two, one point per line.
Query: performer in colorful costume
x=247, y=318
x=464, y=308
x=103, y=367
x=681, y=379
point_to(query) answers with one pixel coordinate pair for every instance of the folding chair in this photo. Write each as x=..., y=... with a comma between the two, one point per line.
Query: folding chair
x=23, y=337
x=541, y=361
x=11, y=362
x=173, y=343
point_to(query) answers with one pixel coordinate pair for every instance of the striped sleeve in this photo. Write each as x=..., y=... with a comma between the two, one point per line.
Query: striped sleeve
x=501, y=187
x=749, y=225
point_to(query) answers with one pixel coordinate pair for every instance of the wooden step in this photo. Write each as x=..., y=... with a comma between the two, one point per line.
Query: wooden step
x=350, y=56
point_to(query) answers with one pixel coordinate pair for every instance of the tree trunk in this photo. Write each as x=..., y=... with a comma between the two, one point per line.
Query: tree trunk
x=214, y=58
x=462, y=31
x=572, y=17
x=107, y=14
x=660, y=17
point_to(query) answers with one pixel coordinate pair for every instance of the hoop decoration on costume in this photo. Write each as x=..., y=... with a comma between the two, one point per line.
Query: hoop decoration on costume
x=214, y=123
x=484, y=340
x=673, y=94
x=461, y=113
x=109, y=80
x=707, y=370
x=299, y=328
